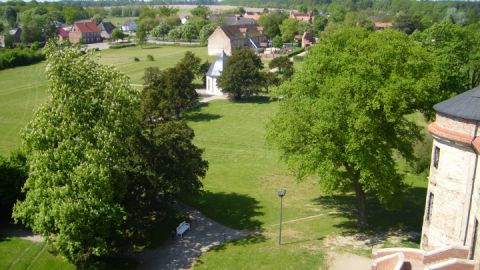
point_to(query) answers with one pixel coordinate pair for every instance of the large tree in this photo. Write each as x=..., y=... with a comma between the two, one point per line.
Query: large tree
x=457, y=51
x=283, y=65
x=241, y=75
x=170, y=92
x=76, y=151
x=342, y=116
x=271, y=22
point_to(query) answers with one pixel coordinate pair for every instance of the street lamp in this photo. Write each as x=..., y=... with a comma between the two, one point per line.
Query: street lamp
x=281, y=193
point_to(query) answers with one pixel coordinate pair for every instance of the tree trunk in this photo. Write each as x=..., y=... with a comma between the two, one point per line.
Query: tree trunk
x=361, y=200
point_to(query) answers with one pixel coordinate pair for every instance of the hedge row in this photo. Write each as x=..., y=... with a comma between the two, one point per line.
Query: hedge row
x=295, y=52
x=19, y=57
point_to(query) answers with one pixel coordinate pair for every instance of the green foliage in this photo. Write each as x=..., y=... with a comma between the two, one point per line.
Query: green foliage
x=271, y=22
x=19, y=57
x=189, y=32
x=408, y=23
x=76, y=151
x=175, y=33
x=136, y=59
x=343, y=116
x=457, y=57
x=201, y=11
x=205, y=33
x=284, y=66
x=161, y=30
x=319, y=24
x=117, y=34
x=169, y=92
x=141, y=37
x=277, y=42
x=13, y=173
x=150, y=57
x=241, y=75
x=290, y=27
x=37, y=27
x=10, y=15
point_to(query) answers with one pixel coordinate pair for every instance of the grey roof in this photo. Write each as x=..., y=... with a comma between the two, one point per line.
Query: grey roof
x=107, y=26
x=216, y=67
x=231, y=20
x=465, y=105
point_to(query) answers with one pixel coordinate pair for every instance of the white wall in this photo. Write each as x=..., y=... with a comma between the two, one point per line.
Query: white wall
x=212, y=87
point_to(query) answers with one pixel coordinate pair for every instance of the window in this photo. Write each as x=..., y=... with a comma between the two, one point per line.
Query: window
x=430, y=206
x=436, y=157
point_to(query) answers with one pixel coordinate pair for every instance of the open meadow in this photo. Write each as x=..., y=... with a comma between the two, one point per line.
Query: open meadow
x=241, y=184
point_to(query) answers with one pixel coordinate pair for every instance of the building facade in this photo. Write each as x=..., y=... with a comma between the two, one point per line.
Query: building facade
x=450, y=229
x=231, y=37
x=213, y=73
x=85, y=32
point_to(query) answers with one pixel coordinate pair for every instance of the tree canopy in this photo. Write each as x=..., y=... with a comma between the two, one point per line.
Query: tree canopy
x=342, y=117
x=76, y=150
x=241, y=75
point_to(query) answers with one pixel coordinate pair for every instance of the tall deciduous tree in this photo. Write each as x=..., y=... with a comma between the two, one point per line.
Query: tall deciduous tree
x=271, y=22
x=76, y=151
x=342, y=116
x=457, y=56
x=241, y=75
x=284, y=66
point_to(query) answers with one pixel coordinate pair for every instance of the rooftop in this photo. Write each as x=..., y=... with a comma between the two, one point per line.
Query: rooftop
x=465, y=105
x=216, y=67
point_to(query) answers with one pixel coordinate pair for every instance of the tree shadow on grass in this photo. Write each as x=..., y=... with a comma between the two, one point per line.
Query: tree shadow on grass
x=408, y=217
x=237, y=211
x=195, y=114
x=255, y=99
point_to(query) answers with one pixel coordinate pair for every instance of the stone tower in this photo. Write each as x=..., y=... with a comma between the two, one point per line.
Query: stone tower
x=452, y=208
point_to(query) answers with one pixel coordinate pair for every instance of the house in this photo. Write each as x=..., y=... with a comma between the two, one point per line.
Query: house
x=229, y=37
x=300, y=16
x=63, y=33
x=235, y=19
x=213, y=73
x=307, y=40
x=129, y=26
x=253, y=15
x=85, y=31
x=106, y=29
x=450, y=232
x=382, y=25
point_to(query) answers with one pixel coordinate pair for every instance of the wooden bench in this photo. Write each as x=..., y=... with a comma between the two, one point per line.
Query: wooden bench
x=182, y=228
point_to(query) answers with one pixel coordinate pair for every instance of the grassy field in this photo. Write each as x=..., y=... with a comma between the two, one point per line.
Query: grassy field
x=23, y=89
x=17, y=254
x=241, y=185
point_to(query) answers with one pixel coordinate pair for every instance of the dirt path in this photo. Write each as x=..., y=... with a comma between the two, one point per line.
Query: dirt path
x=348, y=261
x=15, y=231
x=182, y=252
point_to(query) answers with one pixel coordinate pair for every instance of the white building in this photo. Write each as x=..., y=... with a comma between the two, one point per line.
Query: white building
x=213, y=73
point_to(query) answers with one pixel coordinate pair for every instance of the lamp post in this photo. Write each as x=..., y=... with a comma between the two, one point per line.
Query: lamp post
x=281, y=193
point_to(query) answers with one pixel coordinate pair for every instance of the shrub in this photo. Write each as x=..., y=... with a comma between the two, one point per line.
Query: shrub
x=150, y=57
x=13, y=174
x=136, y=59
x=295, y=52
x=19, y=57
x=119, y=46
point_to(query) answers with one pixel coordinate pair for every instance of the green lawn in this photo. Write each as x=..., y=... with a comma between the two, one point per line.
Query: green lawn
x=118, y=21
x=240, y=191
x=23, y=89
x=22, y=254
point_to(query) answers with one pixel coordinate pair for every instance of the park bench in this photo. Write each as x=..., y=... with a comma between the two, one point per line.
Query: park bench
x=182, y=228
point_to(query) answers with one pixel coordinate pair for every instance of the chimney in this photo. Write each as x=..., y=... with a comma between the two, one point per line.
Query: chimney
x=237, y=17
x=260, y=29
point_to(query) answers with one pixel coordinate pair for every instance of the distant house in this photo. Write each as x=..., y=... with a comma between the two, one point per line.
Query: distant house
x=85, y=31
x=63, y=33
x=253, y=15
x=235, y=19
x=106, y=29
x=382, y=25
x=300, y=16
x=229, y=37
x=129, y=26
x=307, y=40
x=213, y=73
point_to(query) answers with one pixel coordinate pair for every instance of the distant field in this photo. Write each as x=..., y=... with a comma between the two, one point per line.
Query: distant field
x=118, y=21
x=23, y=89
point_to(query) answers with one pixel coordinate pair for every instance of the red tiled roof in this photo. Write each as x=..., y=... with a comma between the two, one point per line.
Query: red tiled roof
x=87, y=26
x=62, y=32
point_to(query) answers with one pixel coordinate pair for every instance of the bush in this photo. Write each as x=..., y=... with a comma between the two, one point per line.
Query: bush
x=150, y=57
x=136, y=59
x=298, y=58
x=119, y=46
x=19, y=57
x=295, y=52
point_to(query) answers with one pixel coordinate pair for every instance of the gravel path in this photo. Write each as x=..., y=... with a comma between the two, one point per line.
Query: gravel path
x=348, y=261
x=182, y=252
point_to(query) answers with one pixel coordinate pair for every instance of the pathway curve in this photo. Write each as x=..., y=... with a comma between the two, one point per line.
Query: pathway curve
x=348, y=261
x=182, y=252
